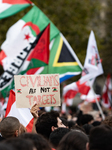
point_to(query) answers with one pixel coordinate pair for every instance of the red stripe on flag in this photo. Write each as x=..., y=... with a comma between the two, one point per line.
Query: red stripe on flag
x=17, y=1
x=41, y=50
x=32, y=71
x=10, y=102
x=69, y=95
x=30, y=125
x=83, y=88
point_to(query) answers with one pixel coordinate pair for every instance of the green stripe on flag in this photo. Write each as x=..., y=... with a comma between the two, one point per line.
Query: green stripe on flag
x=36, y=16
x=13, y=10
x=35, y=63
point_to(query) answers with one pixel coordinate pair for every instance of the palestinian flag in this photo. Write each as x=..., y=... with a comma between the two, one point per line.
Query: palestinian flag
x=22, y=114
x=24, y=32
x=63, y=60
x=40, y=54
x=11, y=7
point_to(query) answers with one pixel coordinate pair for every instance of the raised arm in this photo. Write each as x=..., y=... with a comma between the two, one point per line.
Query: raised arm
x=34, y=111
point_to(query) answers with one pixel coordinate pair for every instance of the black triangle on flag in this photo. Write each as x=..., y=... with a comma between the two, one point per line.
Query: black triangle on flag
x=65, y=55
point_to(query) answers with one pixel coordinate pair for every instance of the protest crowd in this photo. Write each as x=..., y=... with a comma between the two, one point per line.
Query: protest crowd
x=34, y=114
x=55, y=130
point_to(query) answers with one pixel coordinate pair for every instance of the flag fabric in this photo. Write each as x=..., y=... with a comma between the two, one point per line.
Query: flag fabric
x=11, y=7
x=83, y=87
x=24, y=32
x=63, y=60
x=37, y=53
x=90, y=97
x=92, y=69
x=40, y=54
x=92, y=65
x=69, y=92
x=106, y=94
x=22, y=114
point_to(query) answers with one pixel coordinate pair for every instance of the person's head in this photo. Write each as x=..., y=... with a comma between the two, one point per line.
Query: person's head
x=48, y=122
x=71, y=123
x=100, y=138
x=9, y=127
x=74, y=140
x=64, y=121
x=96, y=123
x=87, y=128
x=20, y=143
x=108, y=121
x=86, y=119
x=39, y=141
x=56, y=136
x=78, y=128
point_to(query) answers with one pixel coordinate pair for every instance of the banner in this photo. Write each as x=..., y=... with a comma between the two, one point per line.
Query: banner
x=44, y=90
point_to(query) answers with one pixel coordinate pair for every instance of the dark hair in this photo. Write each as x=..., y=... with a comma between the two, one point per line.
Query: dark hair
x=8, y=126
x=19, y=143
x=39, y=141
x=86, y=118
x=108, y=121
x=64, y=121
x=45, y=122
x=57, y=135
x=74, y=140
x=71, y=123
x=96, y=123
x=100, y=138
x=79, y=128
x=6, y=147
x=87, y=128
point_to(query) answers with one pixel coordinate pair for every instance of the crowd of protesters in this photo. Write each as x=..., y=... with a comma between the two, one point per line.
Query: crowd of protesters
x=57, y=131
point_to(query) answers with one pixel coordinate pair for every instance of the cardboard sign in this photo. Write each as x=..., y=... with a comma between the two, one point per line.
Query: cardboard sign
x=41, y=89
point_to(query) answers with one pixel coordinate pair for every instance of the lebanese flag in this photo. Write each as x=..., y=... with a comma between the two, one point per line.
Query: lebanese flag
x=22, y=114
x=106, y=96
x=69, y=92
x=11, y=7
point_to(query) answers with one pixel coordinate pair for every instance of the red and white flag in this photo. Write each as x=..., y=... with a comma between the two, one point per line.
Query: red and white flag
x=106, y=96
x=69, y=92
x=90, y=97
x=22, y=114
x=72, y=89
x=11, y=7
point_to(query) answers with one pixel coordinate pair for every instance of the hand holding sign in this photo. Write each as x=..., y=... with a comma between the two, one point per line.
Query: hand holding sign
x=34, y=111
x=44, y=90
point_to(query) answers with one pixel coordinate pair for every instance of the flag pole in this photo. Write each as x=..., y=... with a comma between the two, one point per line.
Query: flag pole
x=99, y=107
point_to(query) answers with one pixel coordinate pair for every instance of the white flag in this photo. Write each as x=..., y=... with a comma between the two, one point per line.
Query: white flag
x=92, y=65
